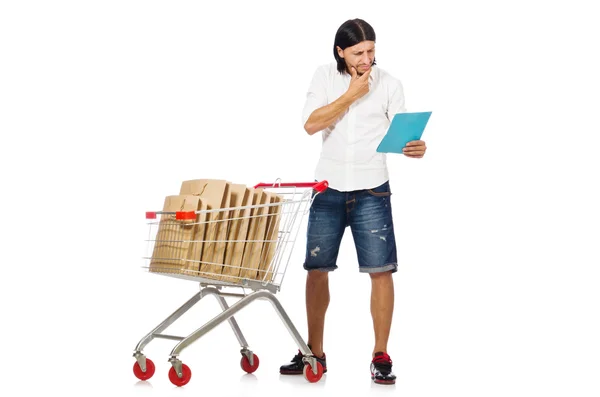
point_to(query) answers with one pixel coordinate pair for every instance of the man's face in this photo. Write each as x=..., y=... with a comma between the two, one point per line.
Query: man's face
x=361, y=56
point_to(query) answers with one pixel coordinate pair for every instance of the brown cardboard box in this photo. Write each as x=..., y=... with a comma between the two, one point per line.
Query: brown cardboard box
x=172, y=243
x=265, y=271
x=221, y=227
x=256, y=233
x=195, y=254
x=215, y=193
x=241, y=196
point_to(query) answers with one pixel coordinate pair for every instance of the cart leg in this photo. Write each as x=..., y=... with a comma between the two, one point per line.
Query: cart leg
x=302, y=346
x=166, y=323
x=229, y=312
x=224, y=306
x=237, y=331
x=234, y=325
x=140, y=358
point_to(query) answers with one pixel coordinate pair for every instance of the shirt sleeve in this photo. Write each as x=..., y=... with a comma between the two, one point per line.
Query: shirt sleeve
x=396, y=102
x=316, y=96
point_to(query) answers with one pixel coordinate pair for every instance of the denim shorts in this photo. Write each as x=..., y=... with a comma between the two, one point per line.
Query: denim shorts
x=368, y=213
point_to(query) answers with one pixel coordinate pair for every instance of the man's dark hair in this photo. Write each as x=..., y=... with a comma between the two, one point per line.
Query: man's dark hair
x=349, y=34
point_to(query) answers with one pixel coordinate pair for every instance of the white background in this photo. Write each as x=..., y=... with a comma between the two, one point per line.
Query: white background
x=106, y=106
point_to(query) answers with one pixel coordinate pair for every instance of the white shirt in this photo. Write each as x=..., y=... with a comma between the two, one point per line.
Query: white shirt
x=349, y=159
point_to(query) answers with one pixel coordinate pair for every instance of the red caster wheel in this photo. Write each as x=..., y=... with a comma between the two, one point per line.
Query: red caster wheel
x=310, y=375
x=245, y=363
x=185, y=378
x=137, y=370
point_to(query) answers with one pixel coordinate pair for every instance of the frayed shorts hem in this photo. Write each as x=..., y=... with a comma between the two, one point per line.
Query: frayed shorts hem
x=322, y=269
x=393, y=267
x=380, y=269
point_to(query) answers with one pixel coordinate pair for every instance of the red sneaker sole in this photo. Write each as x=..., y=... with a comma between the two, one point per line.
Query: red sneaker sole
x=383, y=382
x=290, y=372
x=295, y=372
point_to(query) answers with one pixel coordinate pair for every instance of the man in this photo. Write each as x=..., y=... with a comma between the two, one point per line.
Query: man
x=352, y=102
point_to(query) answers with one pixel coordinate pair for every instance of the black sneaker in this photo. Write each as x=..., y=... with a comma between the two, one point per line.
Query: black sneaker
x=381, y=369
x=296, y=366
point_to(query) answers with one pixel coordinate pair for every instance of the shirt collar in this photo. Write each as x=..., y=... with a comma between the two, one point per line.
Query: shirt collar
x=371, y=76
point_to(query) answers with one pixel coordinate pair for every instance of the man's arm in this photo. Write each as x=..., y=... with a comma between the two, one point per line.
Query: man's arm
x=324, y=116
x=396, y=104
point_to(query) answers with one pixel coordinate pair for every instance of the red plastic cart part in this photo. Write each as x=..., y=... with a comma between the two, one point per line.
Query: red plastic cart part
x=185, y=378
x=245, y=364
x=310, y=376
x=318, y=186
x=185, y=215
x=141, y=375
x=179, y=215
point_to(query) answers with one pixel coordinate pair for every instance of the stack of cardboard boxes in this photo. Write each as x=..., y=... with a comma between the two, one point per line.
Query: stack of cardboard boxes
x=225, y=245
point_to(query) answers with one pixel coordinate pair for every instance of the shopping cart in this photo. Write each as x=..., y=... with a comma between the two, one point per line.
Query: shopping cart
x=252, y=261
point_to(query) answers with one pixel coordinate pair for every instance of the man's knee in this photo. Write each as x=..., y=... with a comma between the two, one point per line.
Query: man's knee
x=381, y=275
x=317, y=275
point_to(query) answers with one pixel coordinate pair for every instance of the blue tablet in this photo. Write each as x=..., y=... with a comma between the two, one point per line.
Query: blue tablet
x=405, y=127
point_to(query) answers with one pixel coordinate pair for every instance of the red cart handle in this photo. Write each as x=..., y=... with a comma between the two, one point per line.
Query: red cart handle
x=318, y=186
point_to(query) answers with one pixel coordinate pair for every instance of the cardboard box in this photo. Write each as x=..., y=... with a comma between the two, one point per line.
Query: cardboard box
x=265, y=270
x=215, y=193
x=173, y=238
x=256, y=234
x=196, y=246
x=241, y=196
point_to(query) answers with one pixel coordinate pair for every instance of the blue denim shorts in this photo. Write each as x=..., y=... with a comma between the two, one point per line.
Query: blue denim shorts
x=368, y=213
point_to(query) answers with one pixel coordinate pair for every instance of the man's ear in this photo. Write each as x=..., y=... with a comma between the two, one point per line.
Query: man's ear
x=340, y=52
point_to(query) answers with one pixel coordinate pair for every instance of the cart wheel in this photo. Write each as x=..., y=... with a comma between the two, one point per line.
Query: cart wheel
x=310, y=376
x=245, y=363
x=185, y=376
x=150, y=368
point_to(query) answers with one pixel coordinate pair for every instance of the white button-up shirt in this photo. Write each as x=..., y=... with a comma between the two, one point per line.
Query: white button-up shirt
x=349, y=159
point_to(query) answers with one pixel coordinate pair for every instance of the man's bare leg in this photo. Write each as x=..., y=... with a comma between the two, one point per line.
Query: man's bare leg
x=382, y=308
x=317, y=301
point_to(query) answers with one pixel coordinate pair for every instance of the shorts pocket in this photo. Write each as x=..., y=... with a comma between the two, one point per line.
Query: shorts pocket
x=381, y=191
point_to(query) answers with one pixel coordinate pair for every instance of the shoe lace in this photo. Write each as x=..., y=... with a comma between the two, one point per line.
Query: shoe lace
x=298, y=357
x=383, y=364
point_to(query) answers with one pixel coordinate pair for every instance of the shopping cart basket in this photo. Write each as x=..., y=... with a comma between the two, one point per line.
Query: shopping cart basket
x=252, y=260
